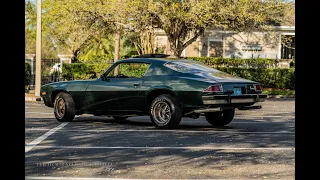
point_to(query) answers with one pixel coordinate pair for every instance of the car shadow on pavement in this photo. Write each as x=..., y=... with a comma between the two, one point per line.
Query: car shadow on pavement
x=144, y=121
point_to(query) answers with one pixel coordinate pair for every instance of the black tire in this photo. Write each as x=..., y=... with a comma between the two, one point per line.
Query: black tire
x=172, y=111
x=120, y=118
x=220, y=118
x=66, y=112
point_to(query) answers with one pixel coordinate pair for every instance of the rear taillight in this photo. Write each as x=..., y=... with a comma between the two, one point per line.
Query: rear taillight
x=214, y=88
x=258, y=87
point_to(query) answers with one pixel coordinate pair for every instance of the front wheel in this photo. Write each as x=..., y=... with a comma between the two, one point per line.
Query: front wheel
x=165, y=111
x=220, y=118
x=64, y=107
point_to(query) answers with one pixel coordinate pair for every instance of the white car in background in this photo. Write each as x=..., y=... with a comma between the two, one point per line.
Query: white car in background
x=56, y=68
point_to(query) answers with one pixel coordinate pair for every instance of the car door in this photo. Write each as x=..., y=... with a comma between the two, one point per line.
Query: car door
x=118, y=90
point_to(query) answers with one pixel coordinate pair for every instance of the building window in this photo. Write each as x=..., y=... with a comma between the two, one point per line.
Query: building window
x=287, y=46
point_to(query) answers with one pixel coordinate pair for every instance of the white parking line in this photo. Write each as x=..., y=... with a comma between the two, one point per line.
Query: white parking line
x=163, y=130
x=182, y=147
x=32, y=144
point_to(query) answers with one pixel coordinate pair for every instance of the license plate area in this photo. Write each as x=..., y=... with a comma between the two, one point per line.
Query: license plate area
x=237, y=91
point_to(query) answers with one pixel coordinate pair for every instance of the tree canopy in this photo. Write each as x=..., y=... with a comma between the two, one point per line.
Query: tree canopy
x=80, y=26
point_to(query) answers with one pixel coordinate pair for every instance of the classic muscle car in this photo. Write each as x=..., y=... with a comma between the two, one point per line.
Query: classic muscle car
x=165, y=89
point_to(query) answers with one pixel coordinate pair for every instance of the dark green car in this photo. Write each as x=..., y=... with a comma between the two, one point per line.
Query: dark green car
x=165, y=89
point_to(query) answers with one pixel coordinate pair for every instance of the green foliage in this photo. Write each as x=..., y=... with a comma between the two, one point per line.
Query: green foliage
x=292, y=63
x=285, y=92
x=80, y=27
x=234, y=62
x=27, y=73
x=267, y=77
x=133, y=69
x=185, y=21
x=101, y=50
x=30, y=27
x=100, y=68
x=81, y=71
x=271, y=78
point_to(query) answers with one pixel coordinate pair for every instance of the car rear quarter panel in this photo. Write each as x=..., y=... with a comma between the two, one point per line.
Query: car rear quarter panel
x=187, y=90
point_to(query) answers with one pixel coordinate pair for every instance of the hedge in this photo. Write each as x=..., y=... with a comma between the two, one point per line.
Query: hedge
x=268, y=78
x=237, y=62
x=27, y=70
x=80, y=71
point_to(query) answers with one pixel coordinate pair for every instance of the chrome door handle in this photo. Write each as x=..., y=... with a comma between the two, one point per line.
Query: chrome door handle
x=136, y=84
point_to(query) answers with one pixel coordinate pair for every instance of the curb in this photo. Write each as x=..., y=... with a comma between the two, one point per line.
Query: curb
x=31, y=99
x=280, y=96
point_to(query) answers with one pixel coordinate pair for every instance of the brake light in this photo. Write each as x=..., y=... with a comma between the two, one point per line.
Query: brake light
x=258, y=87
x=214, y=88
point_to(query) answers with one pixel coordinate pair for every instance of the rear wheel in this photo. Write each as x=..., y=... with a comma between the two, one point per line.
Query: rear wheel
x=165, y=111
x=64, y=107
x=220, y=118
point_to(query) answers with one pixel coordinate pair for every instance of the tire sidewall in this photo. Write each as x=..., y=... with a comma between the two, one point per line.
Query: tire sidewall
x=69, y=107
x=220, y=118
x=172, y=105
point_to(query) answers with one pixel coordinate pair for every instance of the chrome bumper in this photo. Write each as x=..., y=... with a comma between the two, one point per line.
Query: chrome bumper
x=233, y=99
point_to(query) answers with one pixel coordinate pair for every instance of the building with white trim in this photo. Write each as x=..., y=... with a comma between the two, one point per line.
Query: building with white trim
x=229, y=44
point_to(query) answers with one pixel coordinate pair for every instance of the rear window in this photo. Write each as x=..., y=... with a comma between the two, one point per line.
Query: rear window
x=197, y=69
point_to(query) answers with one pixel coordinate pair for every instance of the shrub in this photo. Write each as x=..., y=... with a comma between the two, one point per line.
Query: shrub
x=81, y=71
x=269, y=78
x=27, y=72
x=237, y=62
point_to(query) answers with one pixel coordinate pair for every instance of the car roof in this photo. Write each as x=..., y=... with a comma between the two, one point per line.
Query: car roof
x=152, y=60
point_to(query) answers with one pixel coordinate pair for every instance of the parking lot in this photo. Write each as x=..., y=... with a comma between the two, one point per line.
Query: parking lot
x=257, y=144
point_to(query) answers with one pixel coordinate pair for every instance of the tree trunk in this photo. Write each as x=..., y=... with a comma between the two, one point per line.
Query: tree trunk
x=177, y=53
x=176, y=47
x=117, y=47
x=177, y=43
x=116, y=51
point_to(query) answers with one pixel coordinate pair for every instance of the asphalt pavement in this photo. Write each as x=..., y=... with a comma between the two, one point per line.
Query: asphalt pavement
x=257, y=144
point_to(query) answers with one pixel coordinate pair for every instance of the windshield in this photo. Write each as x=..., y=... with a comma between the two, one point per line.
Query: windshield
x=197, y=68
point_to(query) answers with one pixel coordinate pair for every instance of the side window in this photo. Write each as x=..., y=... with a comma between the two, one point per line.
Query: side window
x=128, y=70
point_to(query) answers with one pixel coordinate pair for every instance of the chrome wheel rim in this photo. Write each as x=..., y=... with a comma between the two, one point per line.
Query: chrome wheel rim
x=161, y=113
x=60, y=108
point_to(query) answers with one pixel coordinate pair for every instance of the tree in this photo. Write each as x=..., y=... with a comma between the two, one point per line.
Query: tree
x=143, y=41
x=76, y=23
x=100, y=49
x=30, y=29
x=184, y=21
x=58, y=21
x=48, y=50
